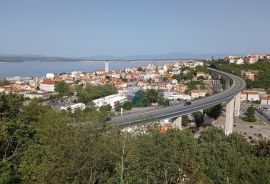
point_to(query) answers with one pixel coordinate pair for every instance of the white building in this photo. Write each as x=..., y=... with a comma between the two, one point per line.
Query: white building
x=112, y=100
x=47, y=85
x=50, y=76
x=240, y=61
x=179, y=96
x=75, y=74
x=265, y=100
x=37, y=94
x=250, y=96
x=198, y=93
x=73, y=107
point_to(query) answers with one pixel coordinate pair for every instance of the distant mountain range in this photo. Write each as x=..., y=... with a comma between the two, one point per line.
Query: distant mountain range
x=176, y=55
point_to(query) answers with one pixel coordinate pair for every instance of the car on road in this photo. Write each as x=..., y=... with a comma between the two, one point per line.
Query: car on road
x=108, y=119
x=187, y=103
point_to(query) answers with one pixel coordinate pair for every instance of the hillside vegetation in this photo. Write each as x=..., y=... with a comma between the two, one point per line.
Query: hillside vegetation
x=41, y=145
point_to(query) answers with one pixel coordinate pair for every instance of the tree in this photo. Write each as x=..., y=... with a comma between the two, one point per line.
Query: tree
x=262, y=148
x=152, y=95
x=4, y=82
x=178, y=77
x=105, y=108
x=10, y=105
x=62, y=88
x=213, y=112
x=15, y=137
x=185, y=120
x=89, y=92
x=140, y=99
x=250, y=114
x=108, y=78
x=127, y=105
x=198, y=117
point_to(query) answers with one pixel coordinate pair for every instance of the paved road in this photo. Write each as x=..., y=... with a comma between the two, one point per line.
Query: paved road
x=179, y=110
x=263, y=115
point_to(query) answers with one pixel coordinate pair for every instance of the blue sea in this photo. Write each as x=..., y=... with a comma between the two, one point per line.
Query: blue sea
x=40, y=68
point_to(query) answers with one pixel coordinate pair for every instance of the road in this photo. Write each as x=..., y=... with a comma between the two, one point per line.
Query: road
x=263, y=117
x=237, y=86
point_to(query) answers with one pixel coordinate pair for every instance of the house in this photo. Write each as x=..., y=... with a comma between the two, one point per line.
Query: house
x=151, y=68
x=249, y=95
x=203, y=74
x=250, y=76
x=252, y=59
x=198, y=93
x=265, y=100
x=47, y=85
x=240, y=61
x=112, y=100
x=174, y=82
x=100, y=72
x=181, y=88
x=2, y=90
x=179, y=97
x=37, y=94
x=167, y=67
x=167, y=94
x=50, y=76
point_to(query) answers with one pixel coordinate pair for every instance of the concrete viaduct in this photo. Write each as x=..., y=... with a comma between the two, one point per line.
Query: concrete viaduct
x=230, y=95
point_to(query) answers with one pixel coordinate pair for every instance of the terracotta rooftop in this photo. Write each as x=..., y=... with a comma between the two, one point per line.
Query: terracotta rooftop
x=48, y=82
x=249, y=92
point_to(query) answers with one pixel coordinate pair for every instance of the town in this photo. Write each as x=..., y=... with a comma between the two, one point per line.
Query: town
x=134, y=92
x=136, y=89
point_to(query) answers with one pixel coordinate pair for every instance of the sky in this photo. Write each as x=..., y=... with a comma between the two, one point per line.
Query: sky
x=83, y=28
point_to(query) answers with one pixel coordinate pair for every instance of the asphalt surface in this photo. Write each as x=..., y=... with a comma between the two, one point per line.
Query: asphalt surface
x=237, y=86
x=262, y=115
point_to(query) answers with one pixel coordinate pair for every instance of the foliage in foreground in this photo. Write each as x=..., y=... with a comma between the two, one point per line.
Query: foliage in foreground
x=45, y=146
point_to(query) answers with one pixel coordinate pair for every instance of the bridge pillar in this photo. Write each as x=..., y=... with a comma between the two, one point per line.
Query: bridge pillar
x=237, y=105
x=178, y=123
x=227, y=83
x=229, y=117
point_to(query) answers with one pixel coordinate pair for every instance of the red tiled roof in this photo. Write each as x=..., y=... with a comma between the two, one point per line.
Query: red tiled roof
x=249, y=92
x=49, y=82
x=265, y=98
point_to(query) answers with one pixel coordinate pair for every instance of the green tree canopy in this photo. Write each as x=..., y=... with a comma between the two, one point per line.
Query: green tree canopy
x=250, y=114
x=127, y=105
x=10, y=105
x=89, y=92
x=62, y=88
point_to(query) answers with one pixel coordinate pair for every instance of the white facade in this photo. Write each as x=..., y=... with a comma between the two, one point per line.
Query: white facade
x=50, y=76
x=112, y=100
x=250, y=96
x=73, y=107
x=180, y=96
x=46, y=87
x=106, y=67
x=265, y=101
x=197, y=94
x=240, y=61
